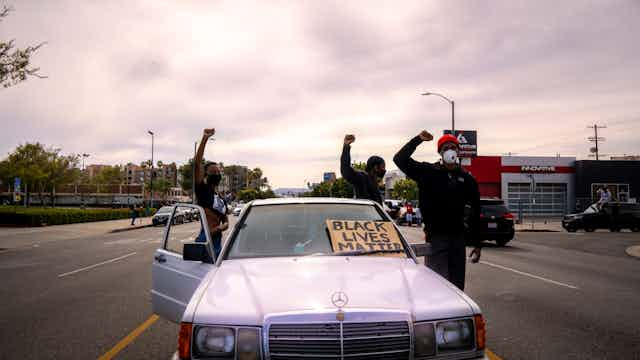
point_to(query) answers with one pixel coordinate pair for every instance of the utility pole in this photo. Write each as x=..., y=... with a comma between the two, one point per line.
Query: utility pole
x=595, y=139
x=151, y=178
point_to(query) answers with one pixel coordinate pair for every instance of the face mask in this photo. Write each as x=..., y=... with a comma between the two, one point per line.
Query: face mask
x=214, y=179
x=450, y=157
x=381, y=173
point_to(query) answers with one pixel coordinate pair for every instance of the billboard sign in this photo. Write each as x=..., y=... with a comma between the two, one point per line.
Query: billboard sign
x=468, y=142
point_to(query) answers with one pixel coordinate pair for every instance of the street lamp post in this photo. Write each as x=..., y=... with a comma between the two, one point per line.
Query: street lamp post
x=84, y=156
x=151, y=175
x=453, y=107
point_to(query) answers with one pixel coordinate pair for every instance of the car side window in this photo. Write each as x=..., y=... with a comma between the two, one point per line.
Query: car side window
x=185, y=227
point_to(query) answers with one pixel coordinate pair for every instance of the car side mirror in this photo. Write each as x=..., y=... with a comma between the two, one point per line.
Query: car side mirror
x=196, y=252
x=421, y=249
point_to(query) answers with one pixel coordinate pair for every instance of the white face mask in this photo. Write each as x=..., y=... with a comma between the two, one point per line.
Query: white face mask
x=450, y=157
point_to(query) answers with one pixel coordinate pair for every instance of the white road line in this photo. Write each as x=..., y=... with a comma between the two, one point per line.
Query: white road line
x=529, y=275
x=96, y=265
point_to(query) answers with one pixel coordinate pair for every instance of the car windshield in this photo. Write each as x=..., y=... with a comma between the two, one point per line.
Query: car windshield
x=494, y=209
x=591, y=209
x=294, y=229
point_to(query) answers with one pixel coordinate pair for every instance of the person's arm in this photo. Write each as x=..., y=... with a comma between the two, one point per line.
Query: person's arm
x=403, y=159
x=197, y=162
x=347, y=172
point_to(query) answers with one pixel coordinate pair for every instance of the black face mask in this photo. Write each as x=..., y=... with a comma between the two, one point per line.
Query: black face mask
x=381, y=173
x=214, y=179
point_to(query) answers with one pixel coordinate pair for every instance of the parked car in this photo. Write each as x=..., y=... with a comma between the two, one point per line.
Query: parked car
x=280, y=291
x=237, y=210
x=496, y=221
x=614, y=216
x=164, y=213
x=392, y=207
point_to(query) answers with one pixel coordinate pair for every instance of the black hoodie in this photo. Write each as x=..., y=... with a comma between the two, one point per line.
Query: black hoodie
x=363, y=184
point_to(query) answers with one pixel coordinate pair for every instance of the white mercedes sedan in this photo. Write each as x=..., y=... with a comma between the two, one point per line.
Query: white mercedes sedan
x=309, y=278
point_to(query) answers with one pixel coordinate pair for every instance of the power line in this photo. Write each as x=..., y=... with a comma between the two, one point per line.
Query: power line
x=595, y=139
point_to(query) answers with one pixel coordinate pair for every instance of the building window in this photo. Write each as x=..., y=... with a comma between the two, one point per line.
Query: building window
x=619, y=192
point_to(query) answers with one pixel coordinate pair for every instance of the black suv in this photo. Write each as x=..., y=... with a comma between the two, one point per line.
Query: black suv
x=613, y=216
x=496, y=221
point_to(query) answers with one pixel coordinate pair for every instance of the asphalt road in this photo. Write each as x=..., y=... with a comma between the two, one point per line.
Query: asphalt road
x=76, y=291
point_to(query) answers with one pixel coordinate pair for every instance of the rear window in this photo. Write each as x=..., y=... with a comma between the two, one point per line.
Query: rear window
x=293, y=229
x=494, y=209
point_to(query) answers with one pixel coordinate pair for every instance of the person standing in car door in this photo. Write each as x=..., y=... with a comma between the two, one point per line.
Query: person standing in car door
x=207, y=179
x=444, y=191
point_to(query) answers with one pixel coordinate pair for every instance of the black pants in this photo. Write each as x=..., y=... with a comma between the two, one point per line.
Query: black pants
x=448, y=257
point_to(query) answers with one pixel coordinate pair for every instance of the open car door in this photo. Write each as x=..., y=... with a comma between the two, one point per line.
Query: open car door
x=175, y=279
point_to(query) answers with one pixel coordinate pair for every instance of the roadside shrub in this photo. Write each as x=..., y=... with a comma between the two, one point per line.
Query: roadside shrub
x=39, y=216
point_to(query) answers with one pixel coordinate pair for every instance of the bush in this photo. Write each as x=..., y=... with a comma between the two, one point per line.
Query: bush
x=39, y=216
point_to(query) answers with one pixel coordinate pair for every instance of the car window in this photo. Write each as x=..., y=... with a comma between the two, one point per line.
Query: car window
x=183, y=230
x=165, y=209
x=293, y=229
x=494, y=210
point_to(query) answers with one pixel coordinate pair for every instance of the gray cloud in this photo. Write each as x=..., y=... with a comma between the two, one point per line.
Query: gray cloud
x=284, y=82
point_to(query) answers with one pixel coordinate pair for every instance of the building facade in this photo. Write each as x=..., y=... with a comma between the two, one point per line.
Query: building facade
x=621, y=177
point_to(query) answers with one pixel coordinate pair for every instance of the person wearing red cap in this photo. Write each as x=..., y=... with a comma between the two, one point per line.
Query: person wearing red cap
x=445, y=191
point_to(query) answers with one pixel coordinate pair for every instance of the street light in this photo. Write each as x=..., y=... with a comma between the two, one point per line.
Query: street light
x=453, y=119
x=151, y=177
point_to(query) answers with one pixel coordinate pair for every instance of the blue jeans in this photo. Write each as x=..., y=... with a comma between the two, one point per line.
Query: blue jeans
x=215, y=238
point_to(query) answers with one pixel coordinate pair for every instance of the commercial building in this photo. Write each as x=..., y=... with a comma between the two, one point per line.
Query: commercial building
x=390, y=179
x=135, y=174
x=530, y=185
x=621, y=177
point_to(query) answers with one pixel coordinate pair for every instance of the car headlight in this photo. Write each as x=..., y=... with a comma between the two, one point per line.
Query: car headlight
x=214, y=341
x=425, y=340
x=455, y=335
x=220, y=342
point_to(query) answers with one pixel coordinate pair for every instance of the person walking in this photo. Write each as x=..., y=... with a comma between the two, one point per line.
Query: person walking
x=208, y=178
x=134, y=214
x=445, y=190
x=365, y=184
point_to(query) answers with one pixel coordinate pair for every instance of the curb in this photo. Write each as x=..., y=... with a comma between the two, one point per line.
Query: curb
x=130, y=228
x=537, y=230
x=633, y=251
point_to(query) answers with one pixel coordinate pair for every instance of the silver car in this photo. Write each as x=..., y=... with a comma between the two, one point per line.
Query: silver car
x=278, y=291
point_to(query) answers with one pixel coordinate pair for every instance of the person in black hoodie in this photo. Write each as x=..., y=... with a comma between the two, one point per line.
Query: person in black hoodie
x=445, y=191
x=365, y=184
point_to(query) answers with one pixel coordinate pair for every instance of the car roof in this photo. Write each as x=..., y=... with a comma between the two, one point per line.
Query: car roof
x=311, y=200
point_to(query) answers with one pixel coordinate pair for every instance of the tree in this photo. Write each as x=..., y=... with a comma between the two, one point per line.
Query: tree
x=186, y=173
x=62, y=170
x=15, y=63
x=359, y=165
x=405, y=189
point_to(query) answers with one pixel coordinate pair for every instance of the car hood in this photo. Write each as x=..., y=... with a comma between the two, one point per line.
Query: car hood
x=243, y=292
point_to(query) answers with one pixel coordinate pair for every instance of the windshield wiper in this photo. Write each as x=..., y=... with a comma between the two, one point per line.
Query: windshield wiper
x=367, y=252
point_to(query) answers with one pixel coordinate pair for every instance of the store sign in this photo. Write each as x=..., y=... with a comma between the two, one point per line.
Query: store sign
x=537, y=169
x=357, y=235
x=468, y=140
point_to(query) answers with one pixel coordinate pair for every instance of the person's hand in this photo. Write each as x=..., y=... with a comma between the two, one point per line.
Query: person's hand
x=475, y=255
x=349, y=139
x=425, y=135
x=208, y=132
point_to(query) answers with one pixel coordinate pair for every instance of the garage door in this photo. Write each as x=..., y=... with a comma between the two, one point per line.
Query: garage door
x=550, y=199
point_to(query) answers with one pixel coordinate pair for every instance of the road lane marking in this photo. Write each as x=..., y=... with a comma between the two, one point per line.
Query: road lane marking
x=491, y=355
x=530, y=275
x=129, y=338
x=96, y=265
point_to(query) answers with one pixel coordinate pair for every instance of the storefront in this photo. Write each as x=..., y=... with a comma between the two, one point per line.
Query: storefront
x=530, y=185
x=621, y=177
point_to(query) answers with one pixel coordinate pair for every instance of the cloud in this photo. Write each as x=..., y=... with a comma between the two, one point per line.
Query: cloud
x=283, y=82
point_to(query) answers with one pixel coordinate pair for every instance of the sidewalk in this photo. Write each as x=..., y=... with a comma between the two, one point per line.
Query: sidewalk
x=543, y=225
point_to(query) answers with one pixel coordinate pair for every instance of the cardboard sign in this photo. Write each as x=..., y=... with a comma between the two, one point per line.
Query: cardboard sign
x=354, y=235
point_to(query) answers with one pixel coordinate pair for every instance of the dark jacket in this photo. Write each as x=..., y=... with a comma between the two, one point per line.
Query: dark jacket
x=443, y=194
x=364, y=186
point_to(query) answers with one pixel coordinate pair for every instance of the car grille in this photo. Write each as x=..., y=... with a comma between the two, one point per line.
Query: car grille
x=370, y=341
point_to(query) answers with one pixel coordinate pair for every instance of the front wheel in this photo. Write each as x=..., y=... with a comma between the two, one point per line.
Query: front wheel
x=589, y=229
x=570, y=229
x=635, y=228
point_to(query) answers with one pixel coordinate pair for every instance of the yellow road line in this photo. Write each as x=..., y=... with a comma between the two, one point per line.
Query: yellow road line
x=491, y=355
x=129, y=338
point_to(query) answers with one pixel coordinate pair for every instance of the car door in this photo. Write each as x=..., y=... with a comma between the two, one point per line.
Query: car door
x=174, y=280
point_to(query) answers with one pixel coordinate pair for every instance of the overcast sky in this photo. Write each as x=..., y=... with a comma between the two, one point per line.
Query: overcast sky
x=282, y=82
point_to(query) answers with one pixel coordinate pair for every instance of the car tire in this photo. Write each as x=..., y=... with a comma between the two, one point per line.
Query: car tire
x=614, y=229
x=502, y=242
x=589, y=229
x=571, y=230
x=635, y=228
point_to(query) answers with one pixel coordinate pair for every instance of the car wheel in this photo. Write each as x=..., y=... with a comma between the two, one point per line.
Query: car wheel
x=589, y=229
x=570, y=229
x=502, y=242
x=614, y=229
x=635, y=228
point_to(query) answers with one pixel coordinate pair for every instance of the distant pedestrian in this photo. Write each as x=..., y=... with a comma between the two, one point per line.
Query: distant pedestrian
x=365, y=184
x=409, y=213
x=134, y=214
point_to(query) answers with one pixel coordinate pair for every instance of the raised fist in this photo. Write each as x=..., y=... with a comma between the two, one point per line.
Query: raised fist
x=425, y=135
x=209, y=132
x=349, y=139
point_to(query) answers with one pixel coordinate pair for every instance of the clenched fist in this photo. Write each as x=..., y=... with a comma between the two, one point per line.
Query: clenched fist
x=208, y=132
x=349, y=139
x=425, y=135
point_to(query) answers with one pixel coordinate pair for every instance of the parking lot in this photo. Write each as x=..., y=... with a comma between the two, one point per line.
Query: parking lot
x=80, y=292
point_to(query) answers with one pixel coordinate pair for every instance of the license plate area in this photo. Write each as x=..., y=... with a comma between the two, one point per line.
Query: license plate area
x=492, y=225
